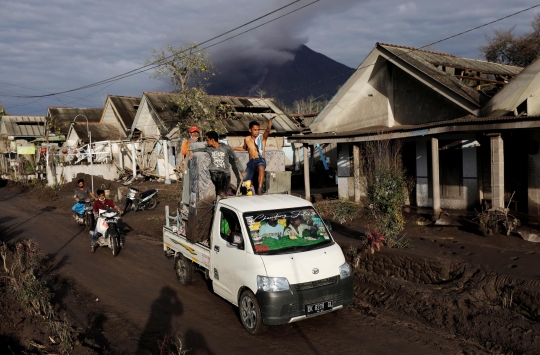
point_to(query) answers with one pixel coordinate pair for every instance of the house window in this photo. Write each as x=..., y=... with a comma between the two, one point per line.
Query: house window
x=451, y=168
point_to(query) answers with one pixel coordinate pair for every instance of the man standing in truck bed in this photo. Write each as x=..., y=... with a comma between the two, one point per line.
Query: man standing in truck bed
x=256, y=154
x=222, y=158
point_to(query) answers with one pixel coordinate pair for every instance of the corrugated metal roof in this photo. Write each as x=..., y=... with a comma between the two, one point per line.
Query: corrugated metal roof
x=427, y=62
x=65, y=115
x=126, y=106
x=23, y=126
x=164, y=105
x=244, y=110
x=99, y=131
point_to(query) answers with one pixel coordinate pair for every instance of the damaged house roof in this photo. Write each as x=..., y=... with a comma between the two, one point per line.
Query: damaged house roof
x=22, y=126
x=475, y=80
x=241, y=110
x=99, y=132
x=126, y=108
x=63, y=116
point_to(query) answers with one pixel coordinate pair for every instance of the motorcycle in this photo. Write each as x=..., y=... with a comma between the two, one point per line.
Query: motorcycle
x=108, y=233
x=86, y=218
x=137, y=200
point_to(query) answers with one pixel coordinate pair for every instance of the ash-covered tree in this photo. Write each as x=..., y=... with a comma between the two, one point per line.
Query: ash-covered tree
x=505, y=47
x=2, y=111
x=189, y=71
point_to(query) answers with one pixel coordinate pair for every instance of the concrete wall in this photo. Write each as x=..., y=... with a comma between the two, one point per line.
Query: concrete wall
x=370, y=105
x=414, y=103
x=69, y=172
x=145, y=122
x=108, y=115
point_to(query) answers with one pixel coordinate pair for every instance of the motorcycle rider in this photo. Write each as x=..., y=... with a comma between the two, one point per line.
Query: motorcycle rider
x=101, y=204
x=81, y=193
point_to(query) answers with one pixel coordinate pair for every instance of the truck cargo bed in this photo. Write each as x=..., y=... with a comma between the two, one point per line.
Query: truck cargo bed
x=178, y=243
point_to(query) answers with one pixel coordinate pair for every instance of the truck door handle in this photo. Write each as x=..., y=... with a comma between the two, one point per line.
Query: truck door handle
x=216, y=248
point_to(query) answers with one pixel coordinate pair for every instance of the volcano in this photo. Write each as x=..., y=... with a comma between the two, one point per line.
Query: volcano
x=309, y=73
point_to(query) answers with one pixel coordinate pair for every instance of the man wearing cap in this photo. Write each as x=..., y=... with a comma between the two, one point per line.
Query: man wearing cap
x=194, y=137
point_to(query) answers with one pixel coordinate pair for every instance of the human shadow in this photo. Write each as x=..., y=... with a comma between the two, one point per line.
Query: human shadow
x=93, y=337
x=159, y=324
x=43, y=210
x=195, y=343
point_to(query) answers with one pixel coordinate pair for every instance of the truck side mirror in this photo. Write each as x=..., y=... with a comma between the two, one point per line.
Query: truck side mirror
x=236, y=239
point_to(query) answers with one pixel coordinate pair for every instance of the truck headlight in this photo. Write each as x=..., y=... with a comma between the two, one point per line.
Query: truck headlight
x=265, y=283
x=344, y=271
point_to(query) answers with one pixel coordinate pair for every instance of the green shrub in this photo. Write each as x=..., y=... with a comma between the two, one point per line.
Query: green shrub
x=386, y=187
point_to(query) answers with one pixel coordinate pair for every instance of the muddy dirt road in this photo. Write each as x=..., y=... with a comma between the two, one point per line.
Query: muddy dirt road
x=142, y=301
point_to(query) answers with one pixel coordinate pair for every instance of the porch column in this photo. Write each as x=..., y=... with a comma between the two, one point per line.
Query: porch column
x=436, y=188
x=356, y=163
x=306, y=171
x=497, y=170
x=166, y=157
x=134, y=159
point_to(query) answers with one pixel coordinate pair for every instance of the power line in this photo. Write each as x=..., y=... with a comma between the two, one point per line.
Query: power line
x=154, y=65
x=412, y=50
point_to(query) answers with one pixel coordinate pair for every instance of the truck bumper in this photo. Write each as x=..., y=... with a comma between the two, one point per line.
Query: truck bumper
x=290, y=306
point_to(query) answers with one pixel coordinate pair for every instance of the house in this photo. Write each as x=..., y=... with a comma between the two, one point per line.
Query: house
x=469, y=128
x=156, y=117
x=16, y=148
x=59, y=118
x=81, y=132
x=120, y=111
x=20, y=131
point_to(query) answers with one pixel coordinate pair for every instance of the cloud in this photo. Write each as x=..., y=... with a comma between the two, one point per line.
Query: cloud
x=55, y=45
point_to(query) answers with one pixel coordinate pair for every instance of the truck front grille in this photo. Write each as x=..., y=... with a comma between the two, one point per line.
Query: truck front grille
x=314, y=284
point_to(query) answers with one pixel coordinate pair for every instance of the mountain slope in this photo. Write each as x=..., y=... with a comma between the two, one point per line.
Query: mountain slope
x=293, y=80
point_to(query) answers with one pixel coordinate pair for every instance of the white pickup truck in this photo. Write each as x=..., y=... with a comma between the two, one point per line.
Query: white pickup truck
x=272, y=256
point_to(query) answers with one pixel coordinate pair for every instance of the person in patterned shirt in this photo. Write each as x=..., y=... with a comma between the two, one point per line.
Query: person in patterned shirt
x=222, y=157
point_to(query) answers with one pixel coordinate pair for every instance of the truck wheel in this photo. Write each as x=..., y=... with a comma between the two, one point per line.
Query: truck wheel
x=184, y=270
x=250, y=313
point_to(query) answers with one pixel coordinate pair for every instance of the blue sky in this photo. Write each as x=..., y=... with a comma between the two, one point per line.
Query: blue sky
x=57, y=45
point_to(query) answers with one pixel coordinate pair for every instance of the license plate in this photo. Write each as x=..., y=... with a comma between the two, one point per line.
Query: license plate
x=315, y=308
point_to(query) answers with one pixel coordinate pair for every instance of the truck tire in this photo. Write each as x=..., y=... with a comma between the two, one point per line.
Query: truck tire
x=250, y=313
x=184, y=270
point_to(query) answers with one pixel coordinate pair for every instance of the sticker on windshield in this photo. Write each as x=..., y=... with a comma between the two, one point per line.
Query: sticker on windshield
x=283, y=229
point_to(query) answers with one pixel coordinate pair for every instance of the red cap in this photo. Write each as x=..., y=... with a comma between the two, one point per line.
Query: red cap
x=194, y=129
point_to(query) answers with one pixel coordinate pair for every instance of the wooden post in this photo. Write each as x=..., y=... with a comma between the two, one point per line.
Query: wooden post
x=167, y=216
x=356, y=172
x=435, y=177
x=306, y=171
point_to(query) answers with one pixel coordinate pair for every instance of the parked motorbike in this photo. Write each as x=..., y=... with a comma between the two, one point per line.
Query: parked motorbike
x=85, y=219
x=108, y=231
x=140, y=201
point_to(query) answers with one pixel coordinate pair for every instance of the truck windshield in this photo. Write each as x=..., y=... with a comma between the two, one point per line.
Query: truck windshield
x=286, y=231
